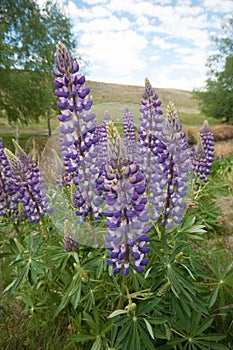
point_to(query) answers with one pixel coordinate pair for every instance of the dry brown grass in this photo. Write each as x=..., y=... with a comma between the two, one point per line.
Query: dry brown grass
x=223, y=148
x=223, y=136
x=221, y=132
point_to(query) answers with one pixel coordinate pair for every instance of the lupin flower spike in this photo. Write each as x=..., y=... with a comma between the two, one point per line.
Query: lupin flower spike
x=79, y=139
x=8, y=191
x=176, y=168
x=203, y=154
x=129, y=134
x=122, y=185
x=28, y=182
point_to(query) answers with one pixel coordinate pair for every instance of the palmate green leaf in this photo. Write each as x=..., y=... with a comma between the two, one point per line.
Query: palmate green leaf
x=107, y=326
x=197, y=229
x=216, y=346
x=18, y=262
x=76, y=296
x=179, y=285
x=189, y=222
x=32, y=275
x=74, y=290
x=117, y=313
x=97, y=345
x=16, y=245
x=18, y=281
x=178, y=249
x=149, y=328
x=124, y=331
x=211, y=337
x=6, y=255
x=147, y=306
x=158, y=334
x=158, y=320
x=39, y=265
x=134, y=337
x=203, y=327
x=91, y=322
x=145, y=339
x=214, y=296
x=156, y=250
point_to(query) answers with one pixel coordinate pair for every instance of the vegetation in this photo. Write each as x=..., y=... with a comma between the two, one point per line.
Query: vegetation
x=28, y=37
x=71, y=300
x=59, y=286
x=216, y=100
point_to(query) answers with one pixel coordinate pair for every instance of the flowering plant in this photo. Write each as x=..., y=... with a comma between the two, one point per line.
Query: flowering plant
x=110, y=254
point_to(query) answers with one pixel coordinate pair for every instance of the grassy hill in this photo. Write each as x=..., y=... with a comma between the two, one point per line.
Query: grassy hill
x=114, y=98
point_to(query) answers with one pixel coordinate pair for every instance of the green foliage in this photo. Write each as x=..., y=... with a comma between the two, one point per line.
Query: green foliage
x=28, y=38
x=203, y=202
x=71, y=300
x=217, y=98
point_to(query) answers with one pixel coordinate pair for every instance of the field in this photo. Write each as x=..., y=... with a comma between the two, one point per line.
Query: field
x=114, y=98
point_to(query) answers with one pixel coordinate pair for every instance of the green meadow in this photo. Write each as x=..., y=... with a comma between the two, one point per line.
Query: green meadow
x=112, y=98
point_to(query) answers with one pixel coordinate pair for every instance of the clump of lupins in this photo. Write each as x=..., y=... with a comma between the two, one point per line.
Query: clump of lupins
x=203, y=154
x=8, y=190
x=128, y=182
x=27, y=182
x=131, y=182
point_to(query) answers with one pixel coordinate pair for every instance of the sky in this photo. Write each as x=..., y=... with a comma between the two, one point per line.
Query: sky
x=167, y=41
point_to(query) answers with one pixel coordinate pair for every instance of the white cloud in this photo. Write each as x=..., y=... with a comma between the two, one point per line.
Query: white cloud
x=112, y=23
x=126, y=40
x=155, y=58
x=218, y=5
x=118, y=52
x=163, y=44
x=93, y=2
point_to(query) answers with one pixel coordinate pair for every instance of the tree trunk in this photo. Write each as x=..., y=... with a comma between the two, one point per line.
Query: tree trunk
x=49, y=124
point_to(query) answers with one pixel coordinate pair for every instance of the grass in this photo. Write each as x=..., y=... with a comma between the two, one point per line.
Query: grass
x=114, y=98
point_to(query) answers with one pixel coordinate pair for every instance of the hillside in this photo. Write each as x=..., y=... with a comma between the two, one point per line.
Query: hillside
x=127, y=94
x=114, y=98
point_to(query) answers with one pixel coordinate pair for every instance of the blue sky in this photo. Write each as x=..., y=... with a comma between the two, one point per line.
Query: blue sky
x=167, y=41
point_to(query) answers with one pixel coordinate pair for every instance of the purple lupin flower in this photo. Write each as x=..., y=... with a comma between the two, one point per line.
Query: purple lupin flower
x=152, y=151
x=149, y=144
x=8, y=193
x=78, y=128
x=199, y=163
x=207, y=138
x=28, y=182
x=103, y=138
x=203, y=154
x=129, y=134
x=123, y=186
x=176, y=168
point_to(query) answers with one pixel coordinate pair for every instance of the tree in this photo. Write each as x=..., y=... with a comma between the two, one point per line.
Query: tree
x=216, y=99
x=27, y=54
